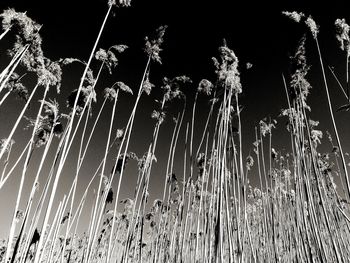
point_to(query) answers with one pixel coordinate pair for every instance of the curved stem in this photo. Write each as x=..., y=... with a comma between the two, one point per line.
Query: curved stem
x=128, y=132
x=38, y=254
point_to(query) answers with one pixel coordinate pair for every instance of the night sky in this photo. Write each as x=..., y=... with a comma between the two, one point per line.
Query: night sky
x=257, y=32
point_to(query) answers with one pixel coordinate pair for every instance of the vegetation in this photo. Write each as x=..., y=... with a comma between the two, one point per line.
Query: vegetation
x=209, y=211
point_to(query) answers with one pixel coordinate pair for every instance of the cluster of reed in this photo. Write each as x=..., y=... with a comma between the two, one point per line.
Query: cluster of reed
x=209, y=211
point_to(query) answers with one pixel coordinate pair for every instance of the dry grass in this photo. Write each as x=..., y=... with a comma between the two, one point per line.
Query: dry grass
x=209, y=212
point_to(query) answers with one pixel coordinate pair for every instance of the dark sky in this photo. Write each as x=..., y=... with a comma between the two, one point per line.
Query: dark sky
x=256, y=31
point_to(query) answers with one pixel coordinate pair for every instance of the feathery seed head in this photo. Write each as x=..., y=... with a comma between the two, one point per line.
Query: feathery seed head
x=227, y=69
x=50, y=74
x=152, y=47
x=266, y=128
x=117, y=3
x=9, y=144
x=159, y=116
x=249, y=162
x=120, y=134
x=316, y=136
x=205, y=86
x=108, y=57
x=147, y=86
x=249, y=65
x=295, y=16
x=342, y=34
x=309, y=21
x=299, y=84
x=311, y=24
x=171, y=87
x=15, y=85
x=110, y=93
x=123, y=87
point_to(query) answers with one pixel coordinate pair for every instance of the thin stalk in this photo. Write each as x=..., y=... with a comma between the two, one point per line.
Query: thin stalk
x=75, y=182
x=13, y=63
x=14, y=166
x=206, y=124
x=332, y=117
x=191, y=139
x=36, y=179
x=55, y=230
x=4, y=33
x=5, y=97
x=38, y=254
x=347, y=77
x=101, y=179
x=6, y=163
x=128, y=131
x=338, y=82
x=39, y=207
x=7, y=141
x=29, y=153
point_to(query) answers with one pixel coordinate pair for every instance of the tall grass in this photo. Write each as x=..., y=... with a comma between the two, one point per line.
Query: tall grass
x=209, y=210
